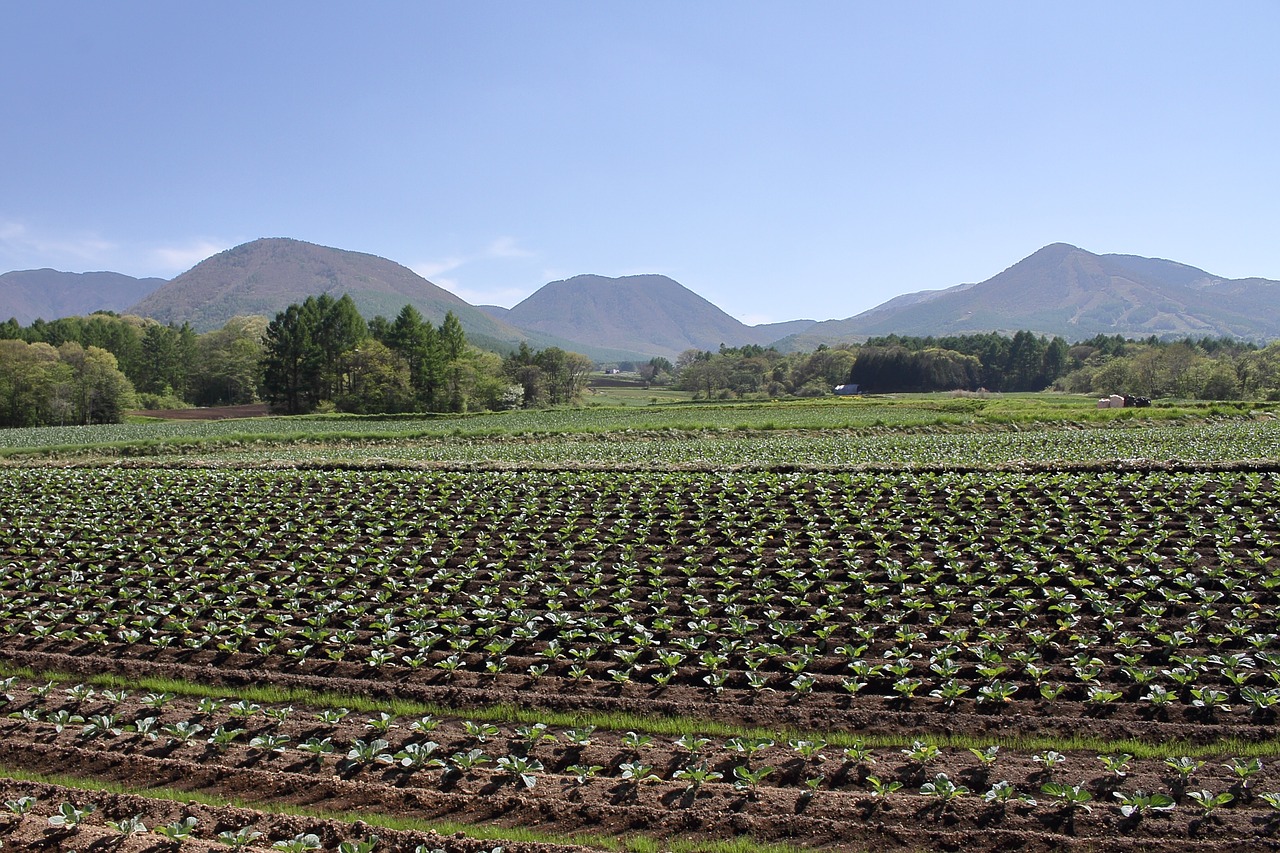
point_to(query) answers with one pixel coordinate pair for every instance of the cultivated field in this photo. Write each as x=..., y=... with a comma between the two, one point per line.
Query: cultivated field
x=736, y=647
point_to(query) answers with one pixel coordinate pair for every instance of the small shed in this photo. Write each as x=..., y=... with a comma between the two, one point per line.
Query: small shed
x=847, y=390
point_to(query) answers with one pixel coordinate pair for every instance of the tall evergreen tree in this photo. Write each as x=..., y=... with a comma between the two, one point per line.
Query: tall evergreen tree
x=453, y=344
x=289, y=362
x=416, y=341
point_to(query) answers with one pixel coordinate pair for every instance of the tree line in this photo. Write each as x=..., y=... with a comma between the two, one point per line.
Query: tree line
x=321, y=355
x=1206, y=368
x=753, y=370
x=315, y=356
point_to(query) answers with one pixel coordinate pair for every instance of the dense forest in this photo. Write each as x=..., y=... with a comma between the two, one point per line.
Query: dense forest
x=322, y=356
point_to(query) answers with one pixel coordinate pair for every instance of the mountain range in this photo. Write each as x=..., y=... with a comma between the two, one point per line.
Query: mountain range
x=1066, y=291
x=29, y=294
x=1059, y=290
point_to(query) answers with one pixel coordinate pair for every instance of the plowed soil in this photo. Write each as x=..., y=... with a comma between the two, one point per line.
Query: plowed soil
x=806, y=763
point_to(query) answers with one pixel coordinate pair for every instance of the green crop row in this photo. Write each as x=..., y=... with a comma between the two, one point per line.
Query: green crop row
x=873, y=414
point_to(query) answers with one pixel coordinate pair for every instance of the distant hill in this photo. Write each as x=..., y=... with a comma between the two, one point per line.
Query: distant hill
x=775, y=331
x=495, y=311
x=1066, y=291
x=645, y=313
x=27, y=295
x=1060, y=290
x=267, y=275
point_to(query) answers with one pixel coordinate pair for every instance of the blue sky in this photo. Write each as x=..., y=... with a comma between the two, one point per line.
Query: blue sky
x=784, y=159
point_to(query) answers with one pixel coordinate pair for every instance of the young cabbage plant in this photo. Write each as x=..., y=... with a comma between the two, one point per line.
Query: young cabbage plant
x=637, y=772
x=1208, y=801
x=1050, y=759
x=20, y=805
x=1183, y=766
x=748, y=779
x=179, y=830
x=1071, y=796
x=239, y=839
x=1003, y=792
x=1244, y=770
x=580, y=736
x=922, y=753
x=986, y=756
x=1117, y=765
x=270, y=742
x=524, y=770
x=129, y=825
x=1139, y=803
x=70, y=817
x=300, y=843
x=942, y=788
x=697, y=776
x=582, y=773
x=418, y=755
x=882, y=788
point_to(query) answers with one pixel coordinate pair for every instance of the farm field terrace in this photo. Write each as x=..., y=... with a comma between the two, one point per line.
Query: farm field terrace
x=1226, y=441
x=508, y=434
x=902, y=660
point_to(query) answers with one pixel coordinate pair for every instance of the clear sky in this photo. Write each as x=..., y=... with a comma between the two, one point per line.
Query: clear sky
x=782, y=159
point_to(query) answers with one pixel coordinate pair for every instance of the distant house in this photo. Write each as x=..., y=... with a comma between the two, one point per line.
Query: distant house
x=847, y=390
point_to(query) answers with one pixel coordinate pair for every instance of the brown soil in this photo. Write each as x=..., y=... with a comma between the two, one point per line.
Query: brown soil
x=639, y=786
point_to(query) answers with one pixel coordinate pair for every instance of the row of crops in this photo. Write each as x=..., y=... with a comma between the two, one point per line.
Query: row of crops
x=798, y=432
x=797, y=415
x=1114, y=590
x=1213, y=441
x=458, y=753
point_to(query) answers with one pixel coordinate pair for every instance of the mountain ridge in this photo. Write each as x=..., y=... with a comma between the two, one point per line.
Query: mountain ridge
x=1060, y=290
x=47, y=294
x=266, y=275
x=1065, y=291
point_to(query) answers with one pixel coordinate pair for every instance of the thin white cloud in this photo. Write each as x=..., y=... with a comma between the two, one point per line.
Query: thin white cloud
x=505, y=247
x=17, y=240
x=500, y=249
x=433, y=270
x=178, y=259
x=504, y=296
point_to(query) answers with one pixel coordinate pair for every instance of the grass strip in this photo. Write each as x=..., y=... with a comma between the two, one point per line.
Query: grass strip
x=654, y=725
x=479, y=832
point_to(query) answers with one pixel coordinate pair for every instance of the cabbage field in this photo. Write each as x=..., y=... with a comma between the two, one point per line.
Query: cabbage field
x=1040, y=649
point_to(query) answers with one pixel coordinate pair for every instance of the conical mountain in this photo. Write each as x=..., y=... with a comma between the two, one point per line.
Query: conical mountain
x=643, y=313
x=266, y=276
